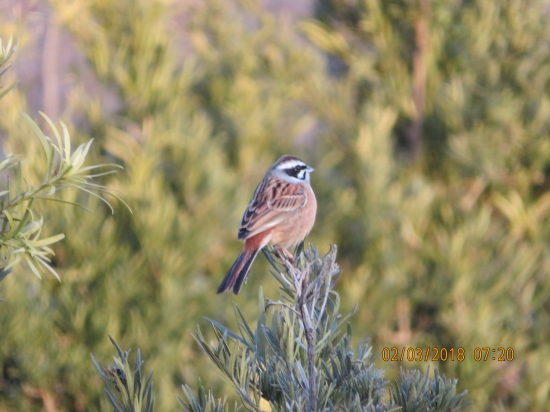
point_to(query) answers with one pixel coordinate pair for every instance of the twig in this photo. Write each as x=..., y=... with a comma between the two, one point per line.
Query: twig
x=310, y=339
x=301, y=283
x=326, y=271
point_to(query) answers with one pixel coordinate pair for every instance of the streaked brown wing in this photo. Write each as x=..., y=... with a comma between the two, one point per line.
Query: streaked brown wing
x=273, y=202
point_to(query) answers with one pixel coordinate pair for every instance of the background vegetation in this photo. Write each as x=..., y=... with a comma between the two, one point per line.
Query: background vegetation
x=427, y=123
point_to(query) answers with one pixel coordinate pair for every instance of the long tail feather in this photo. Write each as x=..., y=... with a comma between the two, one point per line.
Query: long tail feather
x=238, y=273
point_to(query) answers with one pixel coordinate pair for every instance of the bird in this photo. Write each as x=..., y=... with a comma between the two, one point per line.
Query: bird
x=281, y=212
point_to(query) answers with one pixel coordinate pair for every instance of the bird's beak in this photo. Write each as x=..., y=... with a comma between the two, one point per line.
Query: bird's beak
x=310, y=169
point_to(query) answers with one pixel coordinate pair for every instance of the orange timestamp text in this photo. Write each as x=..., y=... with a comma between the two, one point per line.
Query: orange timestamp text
x=435, y=354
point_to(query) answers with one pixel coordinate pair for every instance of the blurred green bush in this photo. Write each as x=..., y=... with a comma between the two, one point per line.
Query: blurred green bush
x=428, y=127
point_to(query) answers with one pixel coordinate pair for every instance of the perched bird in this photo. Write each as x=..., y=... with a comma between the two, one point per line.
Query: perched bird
x=282, y=213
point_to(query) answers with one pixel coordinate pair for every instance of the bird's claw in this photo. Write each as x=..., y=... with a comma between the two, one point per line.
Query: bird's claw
x=284, y=255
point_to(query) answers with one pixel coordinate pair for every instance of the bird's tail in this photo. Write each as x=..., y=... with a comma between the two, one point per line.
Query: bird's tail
x=238, y=273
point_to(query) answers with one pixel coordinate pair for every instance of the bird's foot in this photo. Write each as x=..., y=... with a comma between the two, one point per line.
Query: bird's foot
x=284, y=254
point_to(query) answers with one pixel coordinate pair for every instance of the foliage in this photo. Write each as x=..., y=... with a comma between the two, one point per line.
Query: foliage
x=6, y=52
x=124, y=386
x=20, y=229
x=428, y=129
x=299, y=355
x=414, y=392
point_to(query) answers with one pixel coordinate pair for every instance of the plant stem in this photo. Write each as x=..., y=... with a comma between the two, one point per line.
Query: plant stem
x=310, y=339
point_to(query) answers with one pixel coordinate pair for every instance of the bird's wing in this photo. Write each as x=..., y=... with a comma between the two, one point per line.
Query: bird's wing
x=273, y=201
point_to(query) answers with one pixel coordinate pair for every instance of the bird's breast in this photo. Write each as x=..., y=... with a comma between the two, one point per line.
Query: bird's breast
x=298, y=224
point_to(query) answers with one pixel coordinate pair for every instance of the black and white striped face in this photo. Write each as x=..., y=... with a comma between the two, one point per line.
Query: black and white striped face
x=293, y=169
